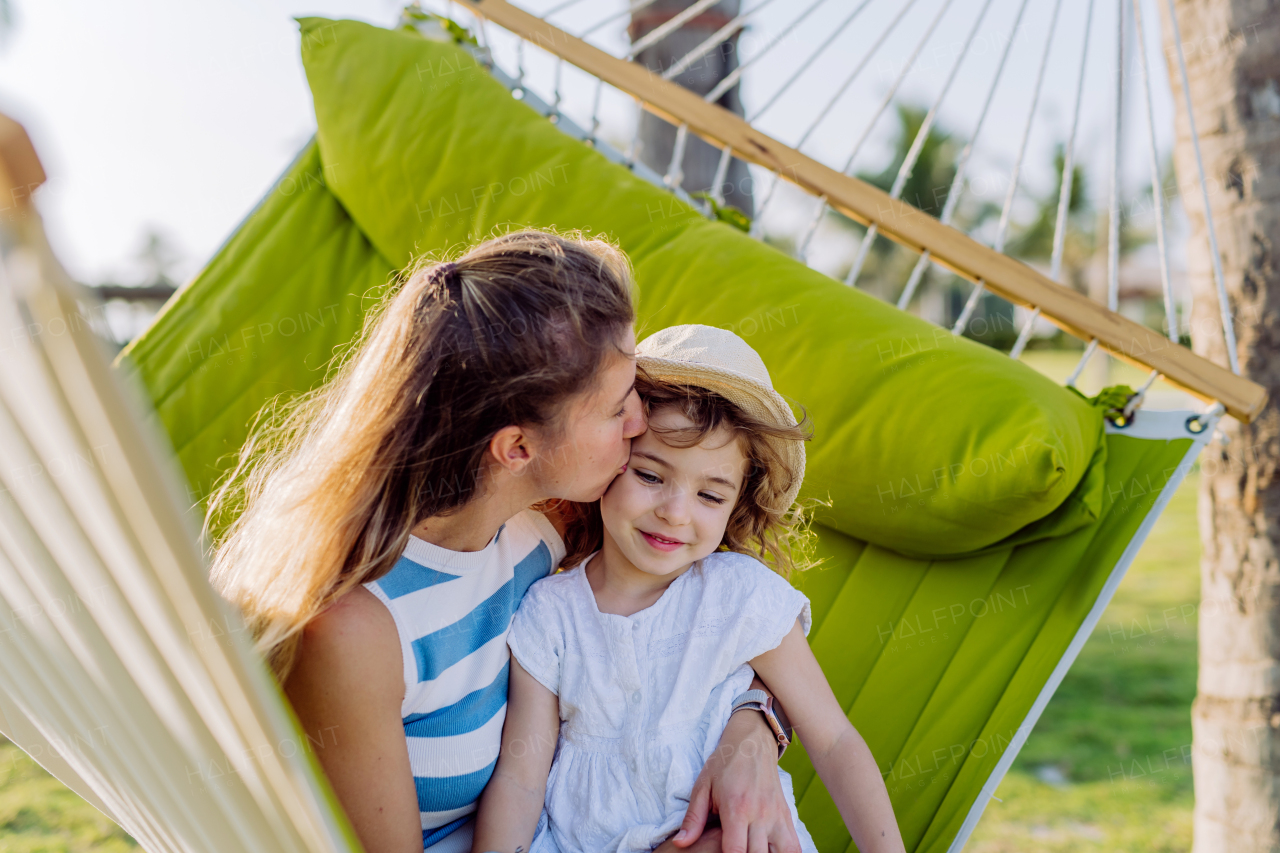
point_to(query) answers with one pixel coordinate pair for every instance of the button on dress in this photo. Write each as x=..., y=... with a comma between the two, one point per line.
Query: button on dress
x=644, y=698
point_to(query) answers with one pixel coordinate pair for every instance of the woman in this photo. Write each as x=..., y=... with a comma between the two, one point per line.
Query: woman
x=381, y=538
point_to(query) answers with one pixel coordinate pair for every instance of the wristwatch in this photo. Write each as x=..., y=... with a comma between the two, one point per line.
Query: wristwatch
x=760, y=701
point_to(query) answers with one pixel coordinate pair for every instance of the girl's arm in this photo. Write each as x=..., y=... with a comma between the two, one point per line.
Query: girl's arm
x=838, y=752
x=512, y=801
x=347, y=689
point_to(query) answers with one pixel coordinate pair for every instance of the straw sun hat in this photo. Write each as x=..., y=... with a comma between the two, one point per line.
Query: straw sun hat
x=720, y=361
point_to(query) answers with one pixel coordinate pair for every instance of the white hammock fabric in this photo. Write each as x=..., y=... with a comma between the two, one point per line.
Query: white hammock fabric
x=121, y=670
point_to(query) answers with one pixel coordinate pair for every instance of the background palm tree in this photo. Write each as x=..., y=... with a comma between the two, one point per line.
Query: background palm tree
x=657, y=137
x=888, y=265
x=1034, y=240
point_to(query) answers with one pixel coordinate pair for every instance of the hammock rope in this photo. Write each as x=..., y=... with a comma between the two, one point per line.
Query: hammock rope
x=1113, y=220
x=917, y=146
x=1023, y=287
x=1016, y=175
x=1157, y=184
x=1115, y=215
x=739, y=138
x=790, y=81
x=1224, y=304
x=820, y=209
x=958, y=184
x=712, y=41
x=885, y=101
x=731, y=79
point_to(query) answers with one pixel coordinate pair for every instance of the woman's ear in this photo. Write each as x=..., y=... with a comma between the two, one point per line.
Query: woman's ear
x=511, y=449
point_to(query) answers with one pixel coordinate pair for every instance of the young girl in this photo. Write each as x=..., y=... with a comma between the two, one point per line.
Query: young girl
x=627, y=667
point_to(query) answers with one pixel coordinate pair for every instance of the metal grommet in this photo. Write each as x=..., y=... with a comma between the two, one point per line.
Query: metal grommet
x=1121, y=421
x=1196, y=424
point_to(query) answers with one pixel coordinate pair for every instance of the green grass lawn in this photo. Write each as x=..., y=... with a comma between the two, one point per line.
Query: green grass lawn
x=39, y=815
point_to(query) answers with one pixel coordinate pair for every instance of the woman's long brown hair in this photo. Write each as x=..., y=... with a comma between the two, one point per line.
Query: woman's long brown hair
x=329, y=486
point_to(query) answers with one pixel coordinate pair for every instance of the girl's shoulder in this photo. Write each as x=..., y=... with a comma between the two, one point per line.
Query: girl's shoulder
x=728, y=572
x=741, y=582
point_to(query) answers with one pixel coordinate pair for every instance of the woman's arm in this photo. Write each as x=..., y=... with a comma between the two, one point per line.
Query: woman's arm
x=347, y=689
x=837, y=751
x=512, y=801
x=740, y=783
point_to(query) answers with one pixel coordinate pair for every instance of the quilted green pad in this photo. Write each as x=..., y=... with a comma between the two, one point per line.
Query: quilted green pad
x=425, y=152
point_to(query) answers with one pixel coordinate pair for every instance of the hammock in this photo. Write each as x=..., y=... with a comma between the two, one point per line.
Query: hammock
x=133, y=684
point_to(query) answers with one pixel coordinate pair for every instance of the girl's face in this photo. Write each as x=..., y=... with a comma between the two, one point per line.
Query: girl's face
x=593, y=446
x=672, y=504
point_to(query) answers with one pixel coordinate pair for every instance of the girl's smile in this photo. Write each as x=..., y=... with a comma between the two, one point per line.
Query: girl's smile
x=661, y=543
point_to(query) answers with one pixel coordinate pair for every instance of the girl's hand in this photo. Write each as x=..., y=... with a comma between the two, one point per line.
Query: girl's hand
x=740, y=783
x=509, y=808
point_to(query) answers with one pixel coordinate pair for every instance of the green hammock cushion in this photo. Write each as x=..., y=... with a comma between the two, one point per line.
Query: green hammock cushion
x=427, y=153
x=937, y=661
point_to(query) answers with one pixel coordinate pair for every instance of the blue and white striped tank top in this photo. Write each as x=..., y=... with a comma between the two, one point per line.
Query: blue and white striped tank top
x=453, y=610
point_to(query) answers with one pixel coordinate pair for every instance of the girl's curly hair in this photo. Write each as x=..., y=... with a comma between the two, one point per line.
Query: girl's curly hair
x=759, y=525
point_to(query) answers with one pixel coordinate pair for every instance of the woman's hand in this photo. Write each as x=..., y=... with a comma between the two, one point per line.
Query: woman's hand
x=740, y=783
x=708, y=843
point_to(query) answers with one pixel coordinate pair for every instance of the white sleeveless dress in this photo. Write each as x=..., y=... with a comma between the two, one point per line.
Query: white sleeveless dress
x=644, y=698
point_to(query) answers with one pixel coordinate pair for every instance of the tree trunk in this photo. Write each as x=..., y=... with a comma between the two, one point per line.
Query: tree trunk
x=657, y=137
x=1232, y=51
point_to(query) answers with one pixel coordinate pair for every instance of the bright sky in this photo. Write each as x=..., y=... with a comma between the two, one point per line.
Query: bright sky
x=177, y=116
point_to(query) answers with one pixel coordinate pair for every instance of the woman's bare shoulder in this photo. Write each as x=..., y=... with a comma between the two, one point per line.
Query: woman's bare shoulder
x=353, y=644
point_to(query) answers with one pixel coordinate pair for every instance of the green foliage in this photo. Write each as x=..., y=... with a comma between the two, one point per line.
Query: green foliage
x=725, y=213
x=1112, y=400
x=414, y=17
x=927, y=187
x=1036, y=239
x=934, y=170
x=930, y=180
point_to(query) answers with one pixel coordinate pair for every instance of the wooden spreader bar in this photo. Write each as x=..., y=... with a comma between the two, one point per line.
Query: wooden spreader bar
x=1010, y=278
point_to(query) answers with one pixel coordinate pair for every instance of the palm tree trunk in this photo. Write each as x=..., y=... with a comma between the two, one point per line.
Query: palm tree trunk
x=657, y=137
x=1232, y=51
